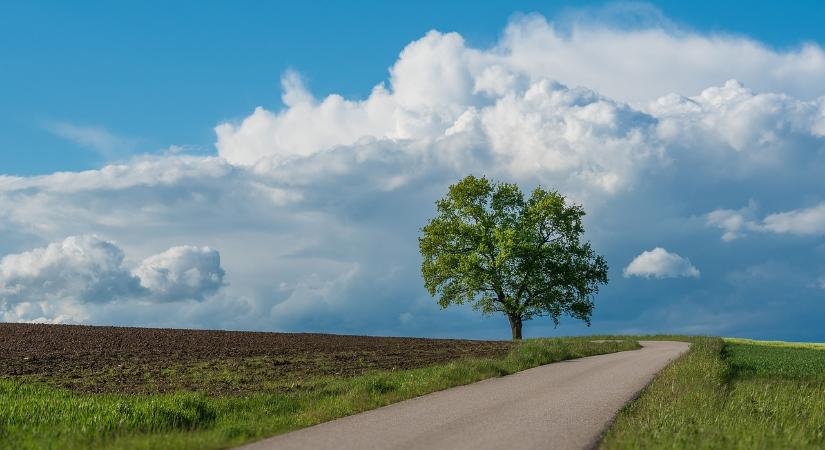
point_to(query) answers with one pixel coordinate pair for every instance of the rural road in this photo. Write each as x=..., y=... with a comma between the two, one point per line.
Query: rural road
x=565, y=405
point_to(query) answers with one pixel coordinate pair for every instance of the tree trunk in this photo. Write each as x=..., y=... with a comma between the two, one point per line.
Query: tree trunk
x=515, y=327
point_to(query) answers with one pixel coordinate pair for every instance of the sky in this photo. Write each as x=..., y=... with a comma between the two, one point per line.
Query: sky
x=268, y=166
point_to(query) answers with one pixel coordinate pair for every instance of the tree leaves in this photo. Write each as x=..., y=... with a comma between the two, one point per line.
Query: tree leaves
x=492, y=248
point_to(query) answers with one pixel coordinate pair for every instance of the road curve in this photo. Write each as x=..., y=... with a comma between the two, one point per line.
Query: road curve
x=564, y=405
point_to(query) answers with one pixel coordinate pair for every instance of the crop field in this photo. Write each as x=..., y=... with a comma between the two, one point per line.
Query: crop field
x=149, y=360
x=774, y=362
x=67, y=387
x=730, y=395
x=810, y=345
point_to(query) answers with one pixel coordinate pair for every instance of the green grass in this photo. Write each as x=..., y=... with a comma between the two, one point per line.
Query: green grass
x=35, y=415
x=774, y=362
x=734, y=395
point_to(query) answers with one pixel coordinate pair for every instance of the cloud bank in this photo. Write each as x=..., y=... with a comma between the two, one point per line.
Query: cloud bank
x=660, y=133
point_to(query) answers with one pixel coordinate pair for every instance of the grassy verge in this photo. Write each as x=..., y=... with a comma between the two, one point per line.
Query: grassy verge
x=729, y=395
x=35, y=415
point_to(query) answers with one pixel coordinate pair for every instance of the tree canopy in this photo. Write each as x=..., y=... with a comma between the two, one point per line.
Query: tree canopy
x=491, y=247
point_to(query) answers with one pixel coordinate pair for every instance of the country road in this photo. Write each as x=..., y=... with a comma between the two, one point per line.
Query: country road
x=565, y=405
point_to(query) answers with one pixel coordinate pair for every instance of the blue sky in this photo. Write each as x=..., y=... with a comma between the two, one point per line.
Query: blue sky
x=267, y=166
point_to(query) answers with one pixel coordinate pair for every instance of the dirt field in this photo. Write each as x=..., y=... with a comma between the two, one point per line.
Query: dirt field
x=135, y=360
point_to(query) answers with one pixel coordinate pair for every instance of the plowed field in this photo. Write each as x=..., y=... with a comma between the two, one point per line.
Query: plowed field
x=147, y=360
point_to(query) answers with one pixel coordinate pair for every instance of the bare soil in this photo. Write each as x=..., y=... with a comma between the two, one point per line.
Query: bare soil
x=148, y=360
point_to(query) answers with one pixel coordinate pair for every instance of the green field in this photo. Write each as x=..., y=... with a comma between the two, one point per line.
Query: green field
x=730, y=394
x=36, y=415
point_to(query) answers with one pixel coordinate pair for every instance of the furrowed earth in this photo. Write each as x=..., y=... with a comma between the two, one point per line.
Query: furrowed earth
x=147, y=360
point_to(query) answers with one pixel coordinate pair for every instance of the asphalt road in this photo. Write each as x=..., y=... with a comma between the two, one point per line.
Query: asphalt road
x=565, y=405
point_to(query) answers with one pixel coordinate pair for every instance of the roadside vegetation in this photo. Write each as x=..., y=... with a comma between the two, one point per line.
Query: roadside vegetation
x=39, y=415
x=730, y=394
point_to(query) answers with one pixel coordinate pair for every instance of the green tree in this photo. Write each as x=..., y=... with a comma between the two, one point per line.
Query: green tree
x=492, y=248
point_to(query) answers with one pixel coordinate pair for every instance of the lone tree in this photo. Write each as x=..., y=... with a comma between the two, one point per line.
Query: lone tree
x=492, y=248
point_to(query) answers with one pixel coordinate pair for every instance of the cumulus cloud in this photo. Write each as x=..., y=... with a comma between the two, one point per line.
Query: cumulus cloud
x=183, y=272
x=456, y=99
x=507, y=103
x=738, y=131
x=659, y=263
x=53, y=283
x=80, y=268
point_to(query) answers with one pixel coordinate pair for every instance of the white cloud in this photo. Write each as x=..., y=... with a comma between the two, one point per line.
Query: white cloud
x=654, y=60
x=806, y=221
x=659, y=263
x=507, y=103
x=738, y=131
x=732, y=221
x=80, y=268
x=474, y=113
x=95, y=138
x=60, y=281
x=183, y=272
x=333, y=121
x=735, y=222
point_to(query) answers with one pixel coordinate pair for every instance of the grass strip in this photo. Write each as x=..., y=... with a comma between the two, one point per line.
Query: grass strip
x=732, y=395
x=808, y=345
x=35, y=415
